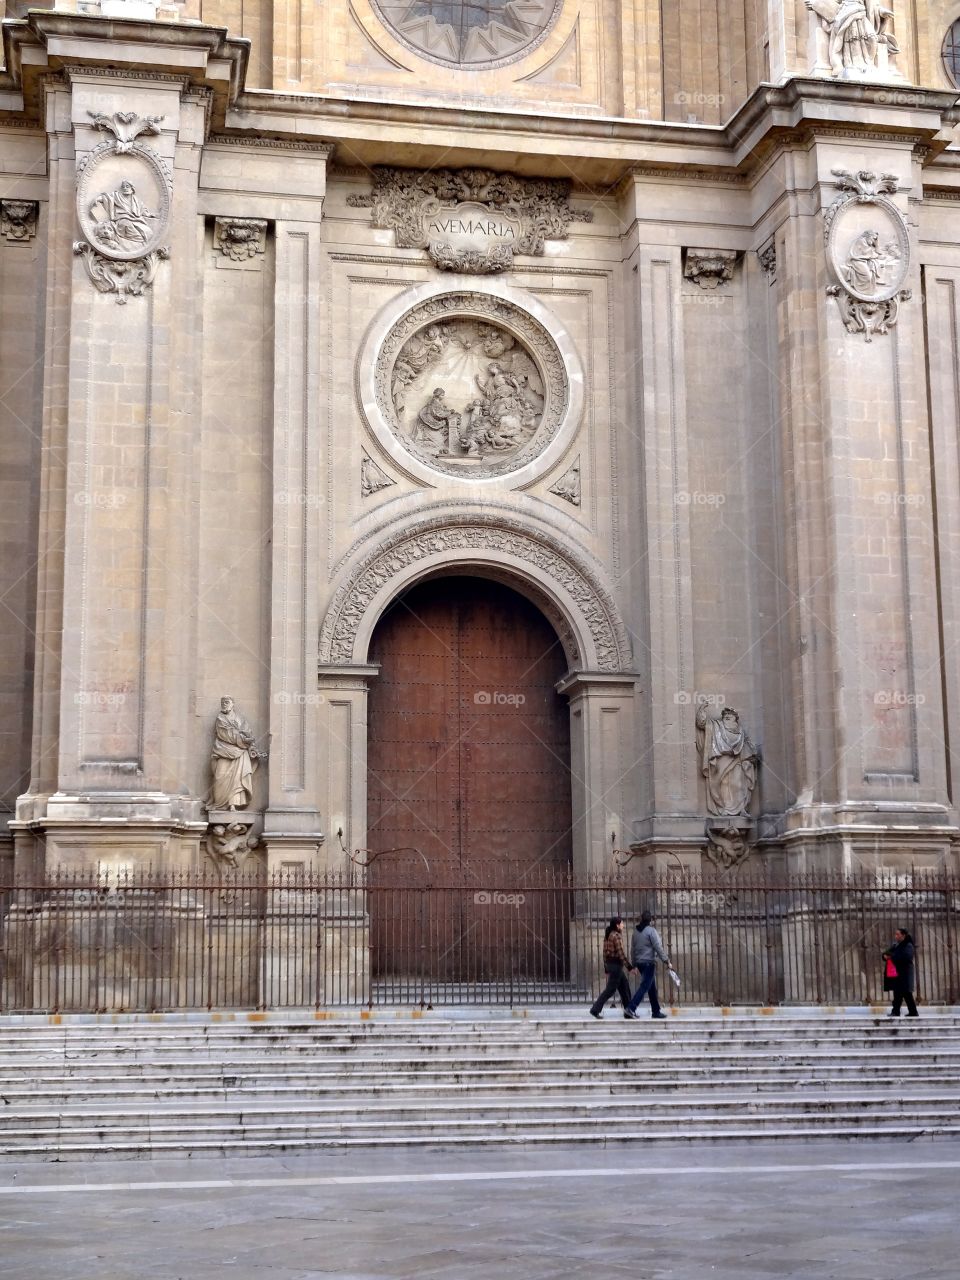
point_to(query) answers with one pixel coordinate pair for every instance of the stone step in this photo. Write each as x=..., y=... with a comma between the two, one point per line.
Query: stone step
x=494, y=1109
x=612, y=1122
x=249, y=1093
x=250, y=1145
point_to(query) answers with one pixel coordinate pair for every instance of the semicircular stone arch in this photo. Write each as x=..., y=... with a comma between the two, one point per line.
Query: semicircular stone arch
x=562, y=583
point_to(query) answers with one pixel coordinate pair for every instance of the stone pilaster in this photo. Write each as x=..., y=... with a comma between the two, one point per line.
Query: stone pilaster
x=870, y=781
x=125, y=133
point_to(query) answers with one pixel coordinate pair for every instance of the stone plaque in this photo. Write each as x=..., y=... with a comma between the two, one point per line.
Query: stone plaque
x=469, y=236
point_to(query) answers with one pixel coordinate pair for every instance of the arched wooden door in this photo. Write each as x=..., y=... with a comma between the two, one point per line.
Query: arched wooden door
x=468, y=763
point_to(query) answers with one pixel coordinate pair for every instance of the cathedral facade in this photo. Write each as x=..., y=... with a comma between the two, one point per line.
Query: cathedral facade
x=513, y=429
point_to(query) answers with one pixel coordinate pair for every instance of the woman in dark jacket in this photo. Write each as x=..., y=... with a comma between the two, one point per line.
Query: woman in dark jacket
x=615, y=966
x=900, y=954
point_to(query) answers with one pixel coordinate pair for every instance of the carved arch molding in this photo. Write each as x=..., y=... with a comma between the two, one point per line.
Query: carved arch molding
x=552, y=571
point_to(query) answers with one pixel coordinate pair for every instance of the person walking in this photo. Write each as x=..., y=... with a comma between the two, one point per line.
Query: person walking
x=645, y=950
x=615, y=966
x=900, y=956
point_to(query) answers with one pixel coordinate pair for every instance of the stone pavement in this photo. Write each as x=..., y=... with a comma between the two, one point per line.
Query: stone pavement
x=860, y=1211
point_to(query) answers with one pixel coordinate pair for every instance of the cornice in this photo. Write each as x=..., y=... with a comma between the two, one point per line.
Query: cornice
x=596, y=151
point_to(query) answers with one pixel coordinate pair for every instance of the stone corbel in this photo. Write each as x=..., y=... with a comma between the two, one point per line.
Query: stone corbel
x=240, y=240
x=18, y=220
x=709, y=268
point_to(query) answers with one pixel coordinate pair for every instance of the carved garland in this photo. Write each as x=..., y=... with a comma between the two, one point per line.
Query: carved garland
x=532, y=335
x=552, y=562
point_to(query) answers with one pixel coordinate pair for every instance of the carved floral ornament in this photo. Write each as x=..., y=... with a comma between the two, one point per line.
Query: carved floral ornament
x=489, y=538
x=868, y=251
x=471, y=384
x=470, y=220
x=123, y=206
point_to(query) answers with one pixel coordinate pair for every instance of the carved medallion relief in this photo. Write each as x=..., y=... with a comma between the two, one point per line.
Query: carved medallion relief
x=469, y=33
x=471, y=384
x=123, y=206
x=868, y=250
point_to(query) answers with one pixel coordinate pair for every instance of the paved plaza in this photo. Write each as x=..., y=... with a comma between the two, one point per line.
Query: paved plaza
x=860, y=1211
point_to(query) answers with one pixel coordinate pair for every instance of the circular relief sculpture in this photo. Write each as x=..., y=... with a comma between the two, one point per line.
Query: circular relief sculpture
x=471, y=385
x=469, y=33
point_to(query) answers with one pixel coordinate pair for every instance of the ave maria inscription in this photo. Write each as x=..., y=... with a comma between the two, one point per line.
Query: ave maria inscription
x=469, y=237
x=470, y=220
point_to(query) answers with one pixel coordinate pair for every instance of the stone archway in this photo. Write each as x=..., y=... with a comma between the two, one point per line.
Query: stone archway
x=564, y=585
x=557, y=579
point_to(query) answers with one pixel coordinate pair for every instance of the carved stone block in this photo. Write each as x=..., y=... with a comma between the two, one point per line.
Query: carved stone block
x=240, y=241
x=18, y=220
x=709, y=268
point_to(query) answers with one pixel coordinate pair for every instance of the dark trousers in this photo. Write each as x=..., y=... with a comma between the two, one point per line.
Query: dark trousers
x=648, y=986
x=617, y=984
x=899, y=995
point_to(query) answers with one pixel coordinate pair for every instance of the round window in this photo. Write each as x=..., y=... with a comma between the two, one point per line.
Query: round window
x=469, y=33
x=951, y=54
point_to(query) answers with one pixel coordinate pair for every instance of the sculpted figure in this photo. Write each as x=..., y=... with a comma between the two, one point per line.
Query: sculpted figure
x=126, y=220
x=420, y=352
x=868, y=267
x=434, y=422
x=233, y=760
x=855, y=29
x=728, y=760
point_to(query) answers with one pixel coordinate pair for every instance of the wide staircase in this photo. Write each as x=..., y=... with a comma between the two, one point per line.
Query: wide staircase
x=249, y=1084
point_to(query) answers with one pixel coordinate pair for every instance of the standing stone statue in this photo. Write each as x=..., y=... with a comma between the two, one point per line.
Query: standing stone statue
x=728, y=760
x=233, y=759
x=855, y=30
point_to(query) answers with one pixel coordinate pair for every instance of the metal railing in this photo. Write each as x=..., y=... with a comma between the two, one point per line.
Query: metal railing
x=502, y=935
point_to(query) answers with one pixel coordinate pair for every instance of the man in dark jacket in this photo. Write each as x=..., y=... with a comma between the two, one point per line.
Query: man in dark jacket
x=645, y=950
x=901, y=956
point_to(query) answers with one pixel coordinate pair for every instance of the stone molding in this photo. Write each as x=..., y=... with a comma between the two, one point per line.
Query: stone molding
x=18, y=220
x=562, y=582
x=127, y=279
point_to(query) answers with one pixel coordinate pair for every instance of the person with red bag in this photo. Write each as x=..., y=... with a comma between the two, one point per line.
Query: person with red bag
x=899, y=974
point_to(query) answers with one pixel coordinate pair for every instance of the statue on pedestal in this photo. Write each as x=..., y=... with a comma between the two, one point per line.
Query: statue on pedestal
x=233, y=759
x=729, y=763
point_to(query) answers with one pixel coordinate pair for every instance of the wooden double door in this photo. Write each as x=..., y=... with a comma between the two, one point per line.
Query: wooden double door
x=469, y=777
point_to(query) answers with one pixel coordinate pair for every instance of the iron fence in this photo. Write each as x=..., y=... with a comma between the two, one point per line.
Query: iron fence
x=108, y=943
